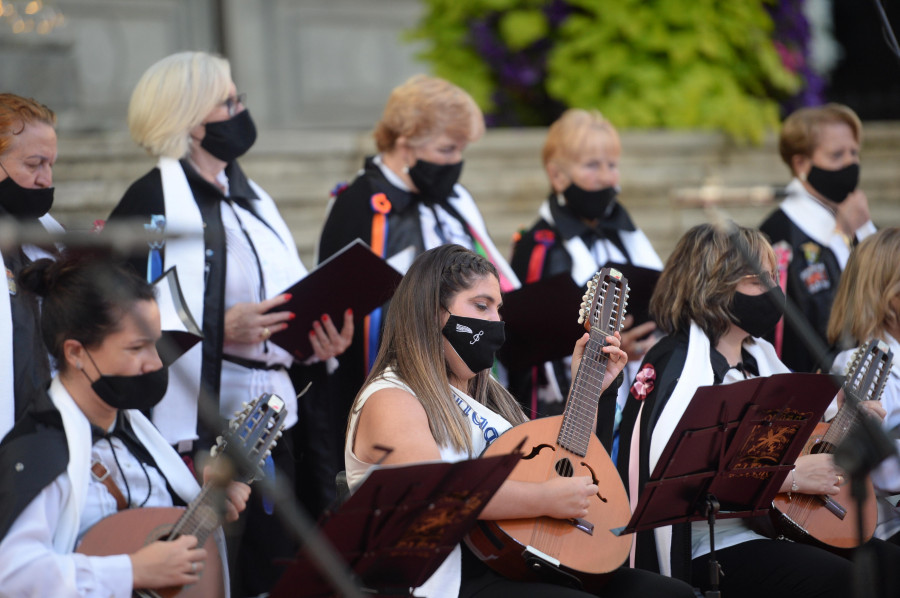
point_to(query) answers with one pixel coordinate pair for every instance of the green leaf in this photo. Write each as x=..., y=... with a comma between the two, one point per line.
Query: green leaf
x=521, y=28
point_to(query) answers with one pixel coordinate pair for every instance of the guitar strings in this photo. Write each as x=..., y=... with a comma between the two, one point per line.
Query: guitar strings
x=576, y=430
x=803, y=506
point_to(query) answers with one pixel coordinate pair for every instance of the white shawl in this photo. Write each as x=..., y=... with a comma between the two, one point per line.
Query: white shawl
x=584, y=264
x=465, y=205
x=7, y=371
x=78, y=438
x=814, y=219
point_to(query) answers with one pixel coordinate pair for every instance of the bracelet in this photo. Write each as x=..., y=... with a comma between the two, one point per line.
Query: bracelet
x=794, y=486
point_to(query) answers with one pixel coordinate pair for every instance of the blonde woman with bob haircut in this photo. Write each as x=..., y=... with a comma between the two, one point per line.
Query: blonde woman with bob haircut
x=431, y=396
x=866, y=307
x=234, y=255
x=715, y=298
x=581, y=227
x=822, y=217
x=172, y=97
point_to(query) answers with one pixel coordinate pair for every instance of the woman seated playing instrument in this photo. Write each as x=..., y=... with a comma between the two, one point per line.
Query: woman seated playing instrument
x=86, y=451
x=866, y=307
x=715, y=298
x=427, y=372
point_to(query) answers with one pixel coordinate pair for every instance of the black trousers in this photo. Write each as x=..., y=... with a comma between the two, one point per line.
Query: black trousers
x=784, y=569
x=259, y=546
x=479, y=581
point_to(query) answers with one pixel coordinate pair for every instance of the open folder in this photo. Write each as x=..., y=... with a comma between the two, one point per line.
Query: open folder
x=400, y=525
x=353, y=278
x=541, y=321
x=180, y=331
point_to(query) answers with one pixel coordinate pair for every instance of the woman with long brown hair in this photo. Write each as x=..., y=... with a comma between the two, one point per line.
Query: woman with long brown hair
x=431, y=396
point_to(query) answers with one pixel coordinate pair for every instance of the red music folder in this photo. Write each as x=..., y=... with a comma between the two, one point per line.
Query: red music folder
x=353, y=278
x=736, y=442
x=541, y=321
x=400, y=525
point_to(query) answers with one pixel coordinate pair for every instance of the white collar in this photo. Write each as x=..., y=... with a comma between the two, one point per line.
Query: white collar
x=808, y=213
x=390, y=175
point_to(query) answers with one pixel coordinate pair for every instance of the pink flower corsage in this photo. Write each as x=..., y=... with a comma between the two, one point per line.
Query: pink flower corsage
x=643, y=382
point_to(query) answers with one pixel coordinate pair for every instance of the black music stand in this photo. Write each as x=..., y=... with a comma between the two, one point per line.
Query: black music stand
x=400, y=525
x=731, y=451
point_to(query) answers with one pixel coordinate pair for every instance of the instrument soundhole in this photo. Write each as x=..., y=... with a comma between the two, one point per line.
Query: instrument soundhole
x=564, y=468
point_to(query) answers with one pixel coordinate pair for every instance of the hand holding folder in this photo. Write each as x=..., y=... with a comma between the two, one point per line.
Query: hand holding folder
x=353, y=278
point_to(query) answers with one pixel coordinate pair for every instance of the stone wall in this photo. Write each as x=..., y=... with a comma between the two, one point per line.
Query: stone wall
x=303, y=63
x=664, y=174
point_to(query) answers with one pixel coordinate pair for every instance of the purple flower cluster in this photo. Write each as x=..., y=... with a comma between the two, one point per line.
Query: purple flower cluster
x=792, y=40
x=520, y=97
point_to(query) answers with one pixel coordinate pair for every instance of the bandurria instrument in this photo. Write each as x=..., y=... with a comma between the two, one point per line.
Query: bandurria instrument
x=255, y=430
x=830, y=521
x=576, y=552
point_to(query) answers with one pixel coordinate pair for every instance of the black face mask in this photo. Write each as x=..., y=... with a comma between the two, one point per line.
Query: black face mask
x=435, y=181
x=834, y=185
x=591, y=205
x=142, y=392
x=22, y=203
x=230, y=139
x=758, y=314
x=474, y=340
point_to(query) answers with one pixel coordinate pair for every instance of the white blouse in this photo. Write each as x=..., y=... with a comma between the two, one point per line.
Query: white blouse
x=485, y=426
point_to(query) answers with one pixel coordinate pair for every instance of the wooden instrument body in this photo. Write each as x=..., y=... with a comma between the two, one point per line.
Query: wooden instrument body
x=128, y=531
x=832, y=521
x=806, y=518
x=586, y=555
x=253, y=433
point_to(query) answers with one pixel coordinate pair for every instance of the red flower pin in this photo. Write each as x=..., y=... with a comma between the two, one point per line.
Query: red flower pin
x=643, y=382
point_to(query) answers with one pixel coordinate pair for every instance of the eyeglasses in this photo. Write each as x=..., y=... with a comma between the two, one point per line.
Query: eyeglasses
x=232, y=103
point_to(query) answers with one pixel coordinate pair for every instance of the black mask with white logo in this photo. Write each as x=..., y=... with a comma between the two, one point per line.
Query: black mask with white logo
x=758, y=314
x=435, y=181
x=834, y=185
x=474, y=340
x=591, y=205
x=23, y=203
x=230, y=139
x=142, y=392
